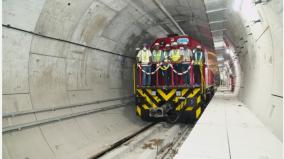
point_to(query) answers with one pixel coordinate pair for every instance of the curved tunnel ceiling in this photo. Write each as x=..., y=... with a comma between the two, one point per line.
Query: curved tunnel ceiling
x=62, y=53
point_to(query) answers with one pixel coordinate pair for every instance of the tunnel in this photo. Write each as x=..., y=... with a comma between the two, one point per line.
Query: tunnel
x=67, y=80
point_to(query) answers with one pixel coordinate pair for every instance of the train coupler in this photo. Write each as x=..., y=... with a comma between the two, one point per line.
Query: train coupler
x=160, y=112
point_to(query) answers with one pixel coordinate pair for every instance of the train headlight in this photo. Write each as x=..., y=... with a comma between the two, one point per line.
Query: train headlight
x=154, y=93
x=178, y=93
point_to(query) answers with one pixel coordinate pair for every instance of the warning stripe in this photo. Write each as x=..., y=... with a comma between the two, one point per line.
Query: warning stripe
x=138, y=110
x=189, y=108
x=183, y=92
x=195, y=91
x=145, y=106
x=156, y=98
x=151, y=97
x=194, y=95
x=147, y=98
x=197, y=113
x=181, y=103
x=198, y=99
x=167, y=96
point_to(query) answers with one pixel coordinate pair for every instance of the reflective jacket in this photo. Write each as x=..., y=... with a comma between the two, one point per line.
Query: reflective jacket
x=157, y=56
x=198, y=57
x=144, y=56
x=175, y=55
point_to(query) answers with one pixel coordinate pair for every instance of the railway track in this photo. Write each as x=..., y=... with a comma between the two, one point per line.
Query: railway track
x=156, y=141
x=122, y=141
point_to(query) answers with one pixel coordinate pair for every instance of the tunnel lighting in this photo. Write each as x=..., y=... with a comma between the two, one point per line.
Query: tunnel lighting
x=220, y=58
x=260, y=2
x=237, y=5
x=227, y=51
x=256, y=21
x=257, y=2
x=220, y=65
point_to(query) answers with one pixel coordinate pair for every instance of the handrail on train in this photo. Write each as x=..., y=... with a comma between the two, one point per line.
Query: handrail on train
x=170, y=65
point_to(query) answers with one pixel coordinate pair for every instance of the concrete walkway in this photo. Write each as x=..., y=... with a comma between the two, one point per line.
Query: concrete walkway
x=228, y=130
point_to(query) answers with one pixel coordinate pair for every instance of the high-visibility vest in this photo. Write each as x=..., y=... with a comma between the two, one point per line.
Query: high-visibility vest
x=175, y=55
x=166, y=55
x=187, y=55
x=198, y=61
x=144, y=56
x=157, y=56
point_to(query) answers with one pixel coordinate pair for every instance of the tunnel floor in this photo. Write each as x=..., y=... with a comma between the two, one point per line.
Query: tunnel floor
x=229, y=130
x=226, y=130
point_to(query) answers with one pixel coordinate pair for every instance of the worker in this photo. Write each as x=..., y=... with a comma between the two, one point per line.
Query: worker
x=157, y=54
x=199, y=59
x=165, y=67
x=144, y=57
x=157, y=58
x=176, y=59
x=187, y=57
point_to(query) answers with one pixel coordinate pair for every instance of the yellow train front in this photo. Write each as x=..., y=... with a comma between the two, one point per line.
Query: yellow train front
x=174, y=103
x=179, y=104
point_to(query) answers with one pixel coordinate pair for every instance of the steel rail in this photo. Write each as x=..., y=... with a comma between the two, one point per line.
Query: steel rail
x=122, y=141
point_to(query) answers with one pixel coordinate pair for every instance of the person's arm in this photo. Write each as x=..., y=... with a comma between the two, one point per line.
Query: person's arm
x=162, y=57
x=193, y=57
x=190, y=54
x=165, y=56
x=150, y=56
x=181, y=56
x=203, y=57
x=138, y=57
x=170, y=56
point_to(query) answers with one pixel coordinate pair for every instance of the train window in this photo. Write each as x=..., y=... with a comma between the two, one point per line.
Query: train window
x=182, y=40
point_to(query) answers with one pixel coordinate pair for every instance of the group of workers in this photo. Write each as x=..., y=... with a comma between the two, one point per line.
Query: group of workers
x=179, y=57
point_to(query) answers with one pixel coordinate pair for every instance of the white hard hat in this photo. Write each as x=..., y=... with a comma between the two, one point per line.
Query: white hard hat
x=167, y=45
x=198, y=46
x=156, y=44
x=175, y=43
x=137, y=49
x=181, y=48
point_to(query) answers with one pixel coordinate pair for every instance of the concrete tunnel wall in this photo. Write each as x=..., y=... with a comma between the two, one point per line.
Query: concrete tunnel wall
x=41, y=72
x=261, y=59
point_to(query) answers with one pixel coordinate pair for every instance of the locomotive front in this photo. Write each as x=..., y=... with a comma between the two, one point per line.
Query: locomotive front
x=170, y=96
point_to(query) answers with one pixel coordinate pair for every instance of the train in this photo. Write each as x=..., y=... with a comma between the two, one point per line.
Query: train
x=175, y=103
